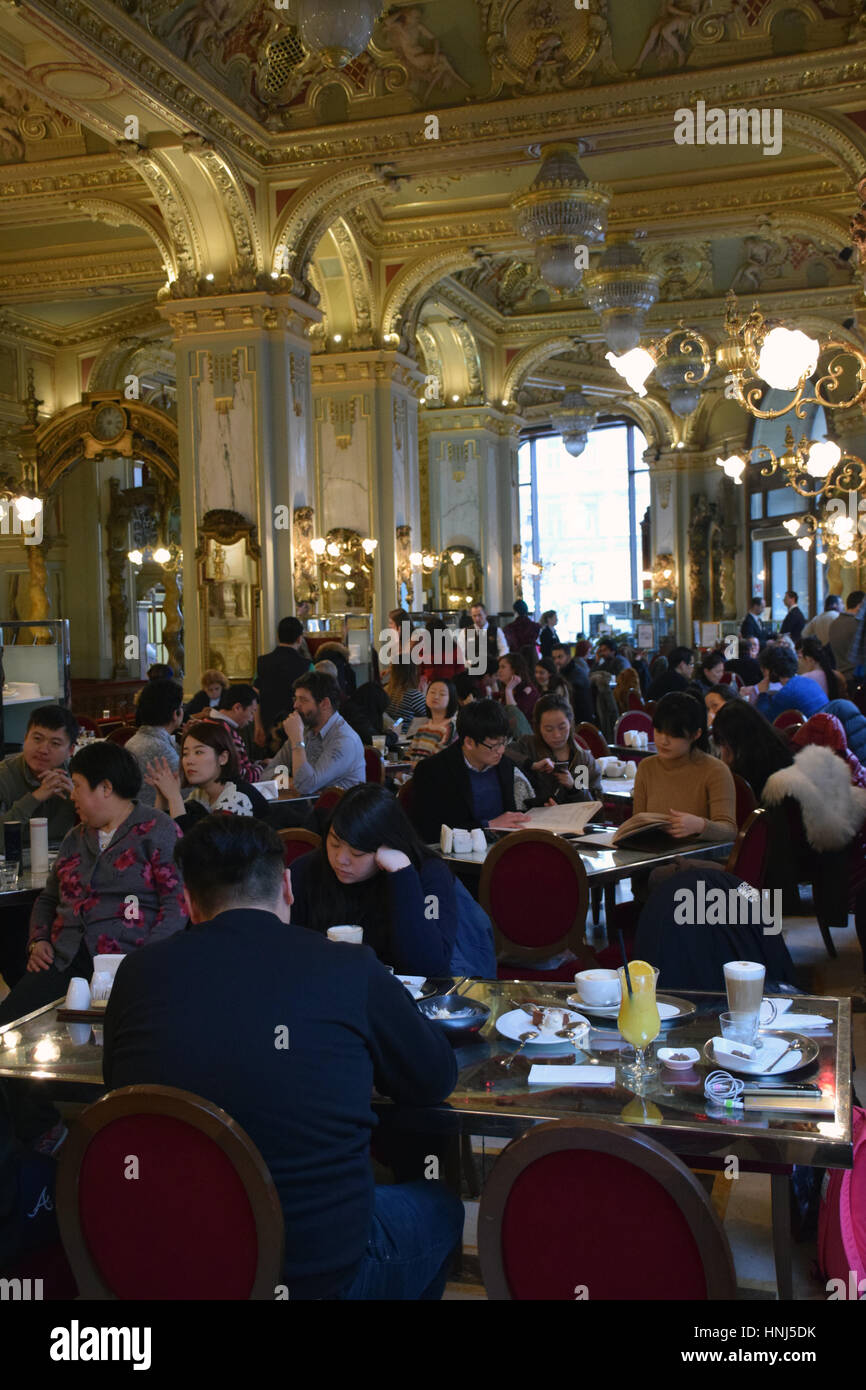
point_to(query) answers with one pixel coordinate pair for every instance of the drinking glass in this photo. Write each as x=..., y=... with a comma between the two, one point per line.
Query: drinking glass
x=8, y=876
x=638, y=1020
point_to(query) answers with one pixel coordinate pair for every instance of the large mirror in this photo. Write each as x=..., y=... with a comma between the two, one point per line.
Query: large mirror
x=229, y=585
x=460, y=577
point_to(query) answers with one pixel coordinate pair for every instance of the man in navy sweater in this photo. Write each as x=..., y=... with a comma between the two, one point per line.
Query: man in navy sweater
x=208, y=1014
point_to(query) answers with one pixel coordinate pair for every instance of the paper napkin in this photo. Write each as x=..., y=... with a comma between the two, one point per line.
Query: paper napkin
x=540, y=1075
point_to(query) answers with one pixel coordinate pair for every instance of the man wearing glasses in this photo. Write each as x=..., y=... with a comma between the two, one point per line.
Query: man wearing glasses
x=471, y=784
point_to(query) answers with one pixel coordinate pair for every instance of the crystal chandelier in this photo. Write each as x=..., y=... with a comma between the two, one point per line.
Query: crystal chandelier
x=621, y=292
x=573, y=419
x=675, y=372
x=635, y=366
x=838, y=534
x=336, y=30
x=561, y=214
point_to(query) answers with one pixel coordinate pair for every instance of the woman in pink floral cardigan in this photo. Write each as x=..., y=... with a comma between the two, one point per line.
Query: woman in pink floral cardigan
x=114, y=886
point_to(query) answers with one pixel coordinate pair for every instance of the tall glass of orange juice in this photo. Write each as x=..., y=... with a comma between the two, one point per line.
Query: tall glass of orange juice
x=638, y=1019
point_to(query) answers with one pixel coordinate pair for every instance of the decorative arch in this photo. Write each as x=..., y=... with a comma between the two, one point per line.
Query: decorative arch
x=231, y=193
x=521, y=365
x=312, y=210
x=412, y=282
x=119, y=215
x=363, y=298
x=176, y=213
x=57, y=443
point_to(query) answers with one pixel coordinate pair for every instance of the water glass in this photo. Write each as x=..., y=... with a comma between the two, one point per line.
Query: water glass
x=8, y=877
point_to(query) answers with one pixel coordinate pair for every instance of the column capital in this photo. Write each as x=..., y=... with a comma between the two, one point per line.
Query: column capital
x=459, y=419
x=366, y=367
x=238, y=313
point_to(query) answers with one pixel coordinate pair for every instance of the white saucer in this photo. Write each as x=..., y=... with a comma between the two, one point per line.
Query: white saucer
x=514, y=1023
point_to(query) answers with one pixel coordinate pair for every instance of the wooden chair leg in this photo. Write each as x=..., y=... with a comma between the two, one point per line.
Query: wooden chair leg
x=827, y=939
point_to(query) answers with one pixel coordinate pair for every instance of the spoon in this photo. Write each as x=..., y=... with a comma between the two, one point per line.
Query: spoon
x=456, y=987
x=508, y=1062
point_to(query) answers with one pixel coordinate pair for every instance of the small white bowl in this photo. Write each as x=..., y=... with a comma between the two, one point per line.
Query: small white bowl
x=667, y=1054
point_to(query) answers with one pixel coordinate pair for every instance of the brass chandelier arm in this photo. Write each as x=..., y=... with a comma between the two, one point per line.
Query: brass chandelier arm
x=687, y=339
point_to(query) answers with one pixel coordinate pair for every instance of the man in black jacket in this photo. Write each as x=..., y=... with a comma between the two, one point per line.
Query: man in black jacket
x=275, y=674
x=751, y=625
x=795, y=619
x=681, y=665
x=470, y=784
x=575, y=674
x=288, y=1032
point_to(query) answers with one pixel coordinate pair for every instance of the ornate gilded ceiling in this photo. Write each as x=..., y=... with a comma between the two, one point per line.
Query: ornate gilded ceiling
x=147, y=146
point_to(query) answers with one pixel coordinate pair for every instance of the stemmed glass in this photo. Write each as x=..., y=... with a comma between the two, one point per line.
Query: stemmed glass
x=639, y=1021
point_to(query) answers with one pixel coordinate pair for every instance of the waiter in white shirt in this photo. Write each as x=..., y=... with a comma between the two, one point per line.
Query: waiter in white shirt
x=497, y=644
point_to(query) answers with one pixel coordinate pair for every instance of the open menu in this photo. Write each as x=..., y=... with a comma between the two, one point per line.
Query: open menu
x=645, y=822
x=568, y=819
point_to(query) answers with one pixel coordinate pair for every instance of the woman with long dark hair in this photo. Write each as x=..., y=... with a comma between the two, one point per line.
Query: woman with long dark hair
x=549, y=680
x=517, y=689
x=682, y=780
x=558, y=768
x=816, y=664
x=373, y=871
x=749, y=745
x=405, y=699
x=437, y=731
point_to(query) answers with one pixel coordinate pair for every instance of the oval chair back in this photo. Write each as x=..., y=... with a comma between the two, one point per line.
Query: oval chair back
x=634, y=719
x=593, y=739
x=746, y=800
x=635, y=701
x=121, y=736
x=525, y=869
x=374, y=764
x=406, y=797
x=558, y=1212
x=327, y=800
x=731, y=678
x=789, y=719
x=157, y=1237
x=748, y=858
x=297, y=842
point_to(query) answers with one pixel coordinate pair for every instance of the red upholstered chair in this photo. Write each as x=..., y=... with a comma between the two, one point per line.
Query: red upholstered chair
x=534, y=890
x=788, y=719
x=746, y=800
x=635, y=719
x=297, y=842
x=585, y=1202
x=582, y=743
x=327, y=800
x=748, y=858
x=85, y=722
x=375, y=765
x=635, y=701
x=202, y=1220
x=105, y=727
x=593, y=739
x=406, y=797
x=731, y=678
x=122, y=735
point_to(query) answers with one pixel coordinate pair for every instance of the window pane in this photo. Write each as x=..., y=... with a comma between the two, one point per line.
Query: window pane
x=583, y=522
x=758, y=576
x=800, y=563
x=781, y=501
x=755, y=508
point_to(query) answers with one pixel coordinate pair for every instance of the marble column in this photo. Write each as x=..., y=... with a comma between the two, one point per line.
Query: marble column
x=472, y=463
x=244, y=435
x=366, y=433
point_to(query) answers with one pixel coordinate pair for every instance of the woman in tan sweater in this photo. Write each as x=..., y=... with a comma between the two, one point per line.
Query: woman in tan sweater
x=696, y=789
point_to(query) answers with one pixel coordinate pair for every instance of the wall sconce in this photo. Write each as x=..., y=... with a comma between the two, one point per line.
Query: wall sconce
x=318, y=545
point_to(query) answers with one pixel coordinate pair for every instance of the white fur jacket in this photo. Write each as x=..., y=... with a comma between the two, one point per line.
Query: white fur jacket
x=833, y=810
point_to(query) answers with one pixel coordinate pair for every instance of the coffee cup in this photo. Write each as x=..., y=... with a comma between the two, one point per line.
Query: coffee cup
x=355, y=935
x=379, y=743
x=749, y=1010
x=78, y=994
x=629, y=738
x=598, y=987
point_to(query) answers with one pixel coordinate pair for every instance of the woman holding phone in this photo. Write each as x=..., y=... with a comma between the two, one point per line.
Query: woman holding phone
x=556, y=765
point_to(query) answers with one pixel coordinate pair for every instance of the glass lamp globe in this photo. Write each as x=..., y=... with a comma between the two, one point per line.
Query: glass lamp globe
x=337, y=30
x=787, y=357
x=823, y=458
x=734, y=467
x=634, y=366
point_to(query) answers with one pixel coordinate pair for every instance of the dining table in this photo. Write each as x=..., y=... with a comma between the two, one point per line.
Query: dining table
x=493, y=1100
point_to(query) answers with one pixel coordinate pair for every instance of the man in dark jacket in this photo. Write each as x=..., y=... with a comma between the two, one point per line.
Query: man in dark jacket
x=681, y=665
x=315, y=1024
x=575, y=674
x=746, y=664
x=470, y=784
x=751, y=625
x=275, y=674
x=795, y=620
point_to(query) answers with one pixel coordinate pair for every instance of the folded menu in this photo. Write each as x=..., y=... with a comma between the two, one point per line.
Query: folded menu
x=269, y=790
x=540, y=1075
x=568, y=819
x=641, y=824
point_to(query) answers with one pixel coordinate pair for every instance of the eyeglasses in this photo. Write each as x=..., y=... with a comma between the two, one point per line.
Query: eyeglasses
x=496, y=746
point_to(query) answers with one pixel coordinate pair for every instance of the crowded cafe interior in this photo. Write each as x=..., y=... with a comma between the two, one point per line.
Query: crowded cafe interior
x=433, y=638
